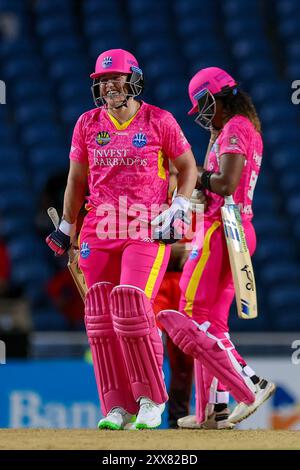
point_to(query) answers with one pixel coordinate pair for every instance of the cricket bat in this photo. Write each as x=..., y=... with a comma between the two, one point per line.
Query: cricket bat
x=73, y=254
x=240, y=260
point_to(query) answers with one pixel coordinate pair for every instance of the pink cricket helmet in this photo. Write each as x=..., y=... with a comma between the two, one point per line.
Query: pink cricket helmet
x=114, y=61
x=214, y=79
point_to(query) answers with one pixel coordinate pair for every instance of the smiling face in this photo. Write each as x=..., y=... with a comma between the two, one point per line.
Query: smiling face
x=113, y=89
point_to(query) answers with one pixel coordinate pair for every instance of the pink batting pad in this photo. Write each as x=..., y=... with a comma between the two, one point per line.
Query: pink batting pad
x=205, y=347
x=134, y=323
x=203, y=382
x=110, y=372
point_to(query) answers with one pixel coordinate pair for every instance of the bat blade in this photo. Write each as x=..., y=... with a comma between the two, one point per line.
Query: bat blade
x=240, y=262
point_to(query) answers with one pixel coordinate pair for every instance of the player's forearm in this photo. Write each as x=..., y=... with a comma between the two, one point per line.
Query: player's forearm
x=73, y=199
x=187, y=178
x=222, y=186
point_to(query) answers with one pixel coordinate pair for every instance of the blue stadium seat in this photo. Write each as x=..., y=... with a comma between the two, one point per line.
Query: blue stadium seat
x=238, y=28
x=248, y=8
x=268, y=248
x=268, y=93
x=68, y=68
x=72, y=111
x=49, y=156
x=102, y=25
x=196, y=9
x=62, y=46
x=48, y=7
x=289, y=183
x=92, y=8
x=293, y=204
x=34, y=111
x=249, y=48
x=254, y=70
x=193, y=28
x=10, y=156
x=285, y=302
x=35, y=88
x=283, y=134
x=286, y=158
x=12, y=6
x=42, y=133
x=267, y=225
x=54, y=25
x=289, y=28
x=147, y=25
x=288, y=8
x=279, y=272
x=22, y=68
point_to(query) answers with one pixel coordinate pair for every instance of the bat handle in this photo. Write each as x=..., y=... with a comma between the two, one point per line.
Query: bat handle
x=229, y=200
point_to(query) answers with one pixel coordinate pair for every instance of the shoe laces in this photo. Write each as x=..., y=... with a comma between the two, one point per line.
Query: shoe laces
x=118, y=410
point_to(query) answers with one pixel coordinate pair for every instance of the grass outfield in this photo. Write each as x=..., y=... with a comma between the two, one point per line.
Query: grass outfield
x=84, y=439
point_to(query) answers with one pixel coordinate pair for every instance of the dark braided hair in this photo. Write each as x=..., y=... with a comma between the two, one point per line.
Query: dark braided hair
x=240, y=104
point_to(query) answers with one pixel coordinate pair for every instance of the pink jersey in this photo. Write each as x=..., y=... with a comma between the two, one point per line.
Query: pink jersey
x=238, y=136
x=129, y=161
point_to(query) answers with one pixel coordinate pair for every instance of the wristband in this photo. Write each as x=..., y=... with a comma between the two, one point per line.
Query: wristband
x=205, y=179
x=65, y=227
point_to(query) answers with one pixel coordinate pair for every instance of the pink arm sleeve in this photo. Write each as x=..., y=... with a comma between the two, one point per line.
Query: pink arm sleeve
x=174, y=142
x=78, y=151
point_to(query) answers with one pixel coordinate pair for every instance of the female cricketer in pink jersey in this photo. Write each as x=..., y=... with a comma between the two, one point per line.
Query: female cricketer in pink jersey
x=231, y=168
x=120, y=150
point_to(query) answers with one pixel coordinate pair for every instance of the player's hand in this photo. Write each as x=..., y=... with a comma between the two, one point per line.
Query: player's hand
x=59, y=242
x=170, y=224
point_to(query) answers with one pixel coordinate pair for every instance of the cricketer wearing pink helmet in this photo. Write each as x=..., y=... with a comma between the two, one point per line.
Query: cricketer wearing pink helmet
x=121, y=150
x=231, y=167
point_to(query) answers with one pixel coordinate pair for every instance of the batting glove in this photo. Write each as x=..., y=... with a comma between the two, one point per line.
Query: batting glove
x=59, y=240
x=171, y=223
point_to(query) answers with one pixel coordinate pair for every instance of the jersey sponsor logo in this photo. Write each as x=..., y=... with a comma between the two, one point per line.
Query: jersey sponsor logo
x=107, y=62
x=120, y=161
x=139, y=140
x=85, y=250
x=110, y=152
x=103, y=138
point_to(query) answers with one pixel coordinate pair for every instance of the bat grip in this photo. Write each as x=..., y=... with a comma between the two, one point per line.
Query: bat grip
x=229, y=200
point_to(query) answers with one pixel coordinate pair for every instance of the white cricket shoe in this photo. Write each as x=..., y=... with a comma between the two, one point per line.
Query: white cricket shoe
x=149, y=416
x=264, y=390
x=216, y=420
x=116, y=419
x=188, y=422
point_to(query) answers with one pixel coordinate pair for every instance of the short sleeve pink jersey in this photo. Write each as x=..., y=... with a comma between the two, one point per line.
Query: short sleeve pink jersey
x=129, y=160
x=238, y=136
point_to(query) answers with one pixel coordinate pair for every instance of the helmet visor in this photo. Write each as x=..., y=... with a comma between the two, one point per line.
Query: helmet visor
x=206, y=108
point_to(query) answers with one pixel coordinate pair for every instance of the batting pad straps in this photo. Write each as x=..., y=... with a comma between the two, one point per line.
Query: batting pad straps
x=134, y=323
x=110, y=371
